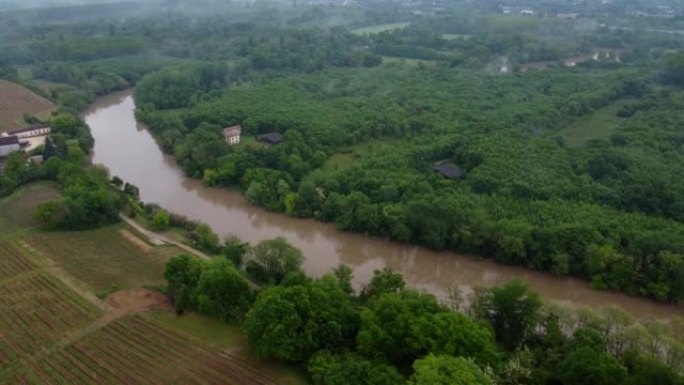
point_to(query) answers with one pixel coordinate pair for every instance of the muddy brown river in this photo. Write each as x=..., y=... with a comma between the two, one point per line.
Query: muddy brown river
x=130, y=152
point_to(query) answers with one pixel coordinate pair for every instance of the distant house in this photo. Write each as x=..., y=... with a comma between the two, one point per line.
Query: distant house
x=37, y=159
x=33, y=131
x=232, y=134
x=449, y=171
x=271, y=138
x=8, y=145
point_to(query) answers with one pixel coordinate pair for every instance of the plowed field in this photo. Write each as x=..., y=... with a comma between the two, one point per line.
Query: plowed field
x=15, y=101
x=137, y=351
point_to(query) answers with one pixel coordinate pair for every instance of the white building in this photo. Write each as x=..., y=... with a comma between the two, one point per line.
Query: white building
x=33, y=131
x=232, y=134
x=8, y=145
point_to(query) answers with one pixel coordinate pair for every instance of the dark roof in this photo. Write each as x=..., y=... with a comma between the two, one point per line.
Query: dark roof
x=448, y=171
x=8, y=140
x=271, y=137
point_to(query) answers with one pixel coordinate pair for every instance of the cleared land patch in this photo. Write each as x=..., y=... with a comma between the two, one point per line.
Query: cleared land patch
x=455, y=36
x=379, y=28
x=347, y=157
x=103, y=258
x=15, y=101
x=407, y=61
x=597, y=125
x=16, y=209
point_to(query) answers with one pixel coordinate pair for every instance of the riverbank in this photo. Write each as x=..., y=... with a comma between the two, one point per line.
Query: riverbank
x=161, y=181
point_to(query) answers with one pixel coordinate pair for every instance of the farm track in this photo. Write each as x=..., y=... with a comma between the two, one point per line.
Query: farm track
x=15, y=101
x=51, y=334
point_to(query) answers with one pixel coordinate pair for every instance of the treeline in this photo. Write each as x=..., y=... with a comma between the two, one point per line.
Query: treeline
x=88, y=200
x=390, y=334
x=77, y=85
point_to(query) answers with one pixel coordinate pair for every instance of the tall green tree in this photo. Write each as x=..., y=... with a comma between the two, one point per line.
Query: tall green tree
x=448, y=370
x=270, y=261
x=586, y=366
x=292, y=323
x=399, y=328
x=182, y=274
x=222, y=291
x=513, y=311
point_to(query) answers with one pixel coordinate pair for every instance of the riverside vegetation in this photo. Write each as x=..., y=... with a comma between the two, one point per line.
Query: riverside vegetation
x=362, y=130
x=389, y=334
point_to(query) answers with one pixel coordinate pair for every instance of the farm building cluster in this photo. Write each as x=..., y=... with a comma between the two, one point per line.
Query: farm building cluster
x=232, y=136
x=23, y=139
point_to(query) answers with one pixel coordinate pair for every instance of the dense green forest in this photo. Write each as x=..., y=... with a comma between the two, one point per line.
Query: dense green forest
x=366, y=114
x=609, y=210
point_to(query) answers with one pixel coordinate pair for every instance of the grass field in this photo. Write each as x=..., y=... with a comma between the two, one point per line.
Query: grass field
x=455, y=36
x=596, y=125
x=406, y=61
x=104, y=258
x=224, y=337
x=15, y=101
x=379, y=28
x=16, y=209
x=349, y=156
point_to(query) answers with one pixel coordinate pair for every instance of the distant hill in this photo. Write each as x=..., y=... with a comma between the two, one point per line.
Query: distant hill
x=15, y=101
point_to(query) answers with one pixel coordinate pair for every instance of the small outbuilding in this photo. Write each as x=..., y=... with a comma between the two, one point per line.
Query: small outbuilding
x=37, y=159
x=449, y=171
x=232, y=134
x=271, y=138
x=8, y=145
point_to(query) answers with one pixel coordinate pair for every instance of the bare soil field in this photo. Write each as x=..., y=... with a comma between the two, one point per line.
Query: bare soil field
x=15, y=101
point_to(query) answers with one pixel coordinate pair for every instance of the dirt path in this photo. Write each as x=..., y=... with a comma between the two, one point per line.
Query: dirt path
x=117, y=305
x=158, y=239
